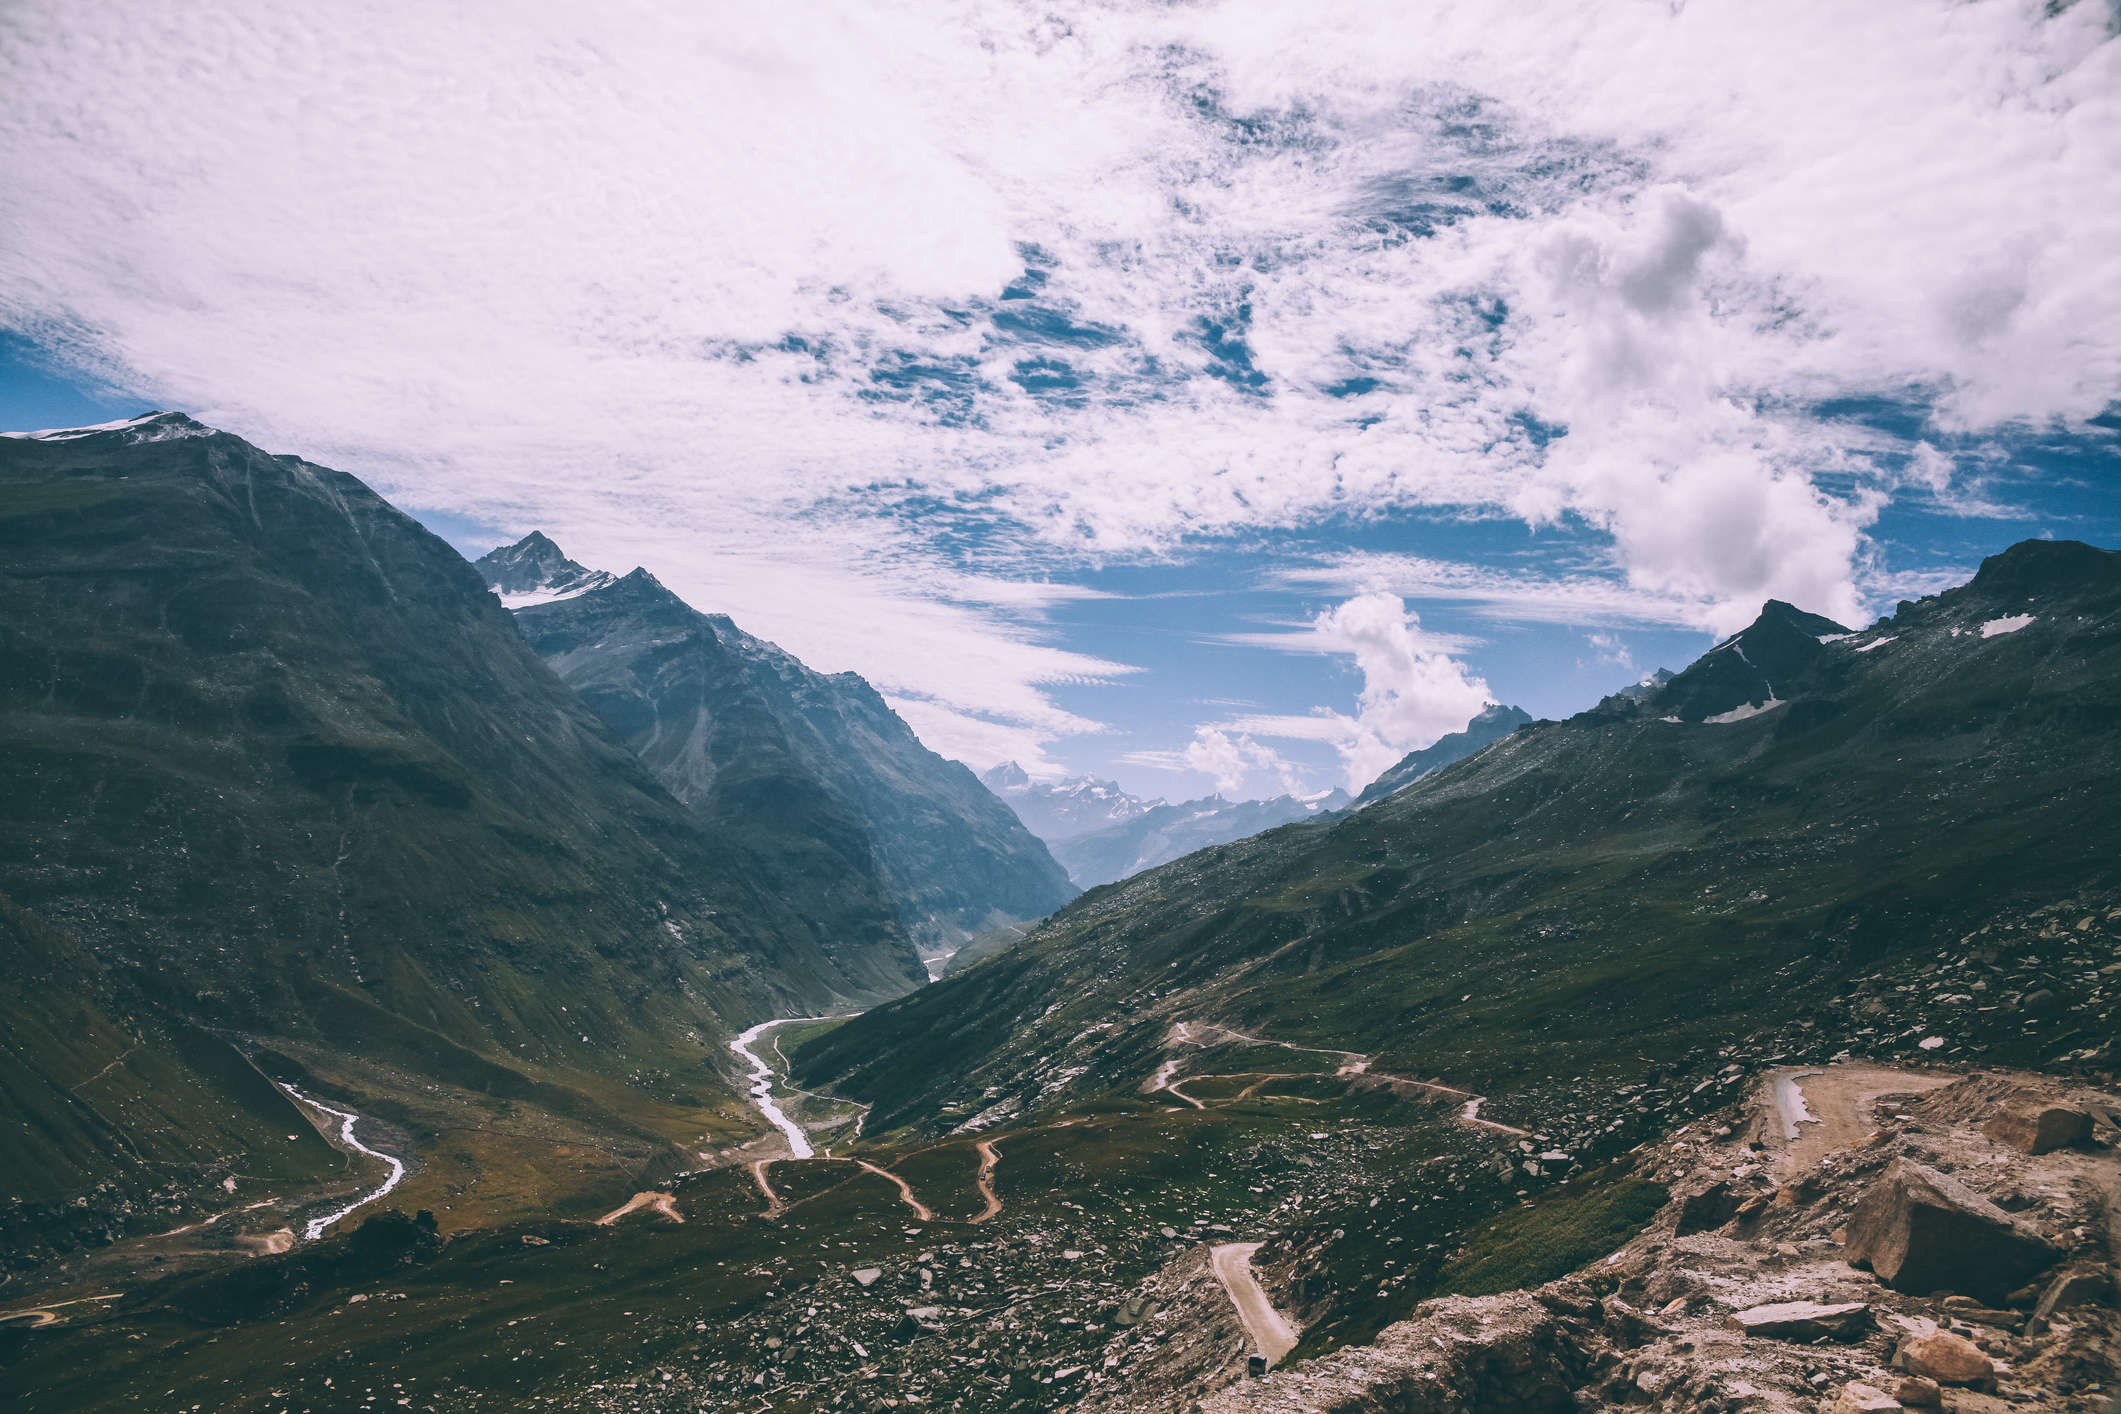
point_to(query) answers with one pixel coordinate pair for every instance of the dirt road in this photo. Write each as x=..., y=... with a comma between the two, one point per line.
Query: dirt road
x=905, y=1191
x=989, y=1158
x=659, y=1202
x=1354, y=1067
x=1269, y=1331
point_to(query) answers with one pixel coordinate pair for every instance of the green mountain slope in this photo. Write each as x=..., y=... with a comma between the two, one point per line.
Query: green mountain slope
x=1727, y=853
x=277, y=772
x=837, y=798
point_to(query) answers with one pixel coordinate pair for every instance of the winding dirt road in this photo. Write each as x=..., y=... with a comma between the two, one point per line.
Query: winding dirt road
x=1269, y=1331
x=1354, y=1065
x=662, y=1203
x=905, y=1191
x=774, y=1206
x=989, y=1158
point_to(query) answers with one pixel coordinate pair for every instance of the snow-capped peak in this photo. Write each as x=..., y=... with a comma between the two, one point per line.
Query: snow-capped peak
x=147, y=427
x=536, y=571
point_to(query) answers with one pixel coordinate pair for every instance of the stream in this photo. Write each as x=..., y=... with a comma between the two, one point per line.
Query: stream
x=315, y=1227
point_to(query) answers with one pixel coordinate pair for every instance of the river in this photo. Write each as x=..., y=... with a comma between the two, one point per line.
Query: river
x=762, y=1083
x=315, y=1228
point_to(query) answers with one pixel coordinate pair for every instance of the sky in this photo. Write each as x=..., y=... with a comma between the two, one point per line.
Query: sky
x=1208, y=396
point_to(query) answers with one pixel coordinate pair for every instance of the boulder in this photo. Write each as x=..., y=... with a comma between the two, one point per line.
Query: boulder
x=1803, y=1320
x=1707, y=1210
x=867, y=1276
x=1918, y=1391
x=2039, y=1128
x=1922, y=1232
x=1859, y=1398
x=1946, y=1358
x=2069, y=1289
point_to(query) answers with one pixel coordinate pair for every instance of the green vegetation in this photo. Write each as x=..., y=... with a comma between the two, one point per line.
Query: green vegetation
x=1577, y=1223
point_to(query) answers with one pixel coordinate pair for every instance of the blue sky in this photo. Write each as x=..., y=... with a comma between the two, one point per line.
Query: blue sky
x=1205, y=396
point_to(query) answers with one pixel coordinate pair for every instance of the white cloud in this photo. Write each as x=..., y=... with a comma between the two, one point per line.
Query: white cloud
x=1235, y=760
x=1611, y=648
x=1413, y=690
x=720, y=290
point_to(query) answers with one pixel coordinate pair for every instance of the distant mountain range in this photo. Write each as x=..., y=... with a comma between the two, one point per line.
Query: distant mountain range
x=1100, y=833
x=1067, y=809
x=1723, y=852
x=833, y=790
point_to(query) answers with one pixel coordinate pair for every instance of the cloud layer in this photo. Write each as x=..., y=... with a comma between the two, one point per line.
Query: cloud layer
x=868, y=324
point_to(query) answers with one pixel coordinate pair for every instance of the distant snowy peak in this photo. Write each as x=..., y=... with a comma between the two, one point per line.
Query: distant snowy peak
x=536, y=571
x=1068, y=809
x=148, y=427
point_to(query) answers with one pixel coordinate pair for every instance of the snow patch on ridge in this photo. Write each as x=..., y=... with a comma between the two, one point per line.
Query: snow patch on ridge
x=1739, y=714
x=2009, y=624
x=148, y=427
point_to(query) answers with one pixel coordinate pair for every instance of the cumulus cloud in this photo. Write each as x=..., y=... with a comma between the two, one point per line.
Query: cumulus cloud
x=1235, y=760
x=1413, y=690
x=864, y=323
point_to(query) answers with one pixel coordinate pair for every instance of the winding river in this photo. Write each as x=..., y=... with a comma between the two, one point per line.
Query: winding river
x=762, y=1083
x=315, y=1227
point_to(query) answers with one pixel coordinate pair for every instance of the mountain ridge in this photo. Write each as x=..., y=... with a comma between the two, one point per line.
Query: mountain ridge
x=286, y=785
x=1523, y=911
x=889, y=835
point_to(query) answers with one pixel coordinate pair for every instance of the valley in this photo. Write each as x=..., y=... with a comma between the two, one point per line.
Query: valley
x=593, y=1007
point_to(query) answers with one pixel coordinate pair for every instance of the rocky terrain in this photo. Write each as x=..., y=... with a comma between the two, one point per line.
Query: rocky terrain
x=1958, y=1254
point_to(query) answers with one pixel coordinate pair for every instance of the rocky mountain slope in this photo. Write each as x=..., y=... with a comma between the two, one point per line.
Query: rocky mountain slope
x=839, y=800
x=1802, y=809
x=282, y=789
x=1492, y=723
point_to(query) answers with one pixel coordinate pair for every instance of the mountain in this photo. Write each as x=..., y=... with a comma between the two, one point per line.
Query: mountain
x=1740, y=674
x=1492, y=723
x=1162, y=833
x=1064, y=810
x=534, y=571
x=839, y=801
x=1752, y=845
x=1099, y=833
x=284, y=792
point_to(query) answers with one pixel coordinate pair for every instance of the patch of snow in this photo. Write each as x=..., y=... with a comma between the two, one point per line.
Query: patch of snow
x=1930, y=1043
x=148, y=427
x=1876, y=643
x=1739, y=714
x=2010, y=624
x=529, y=597
x=1667, y=719
x=1834, y=637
